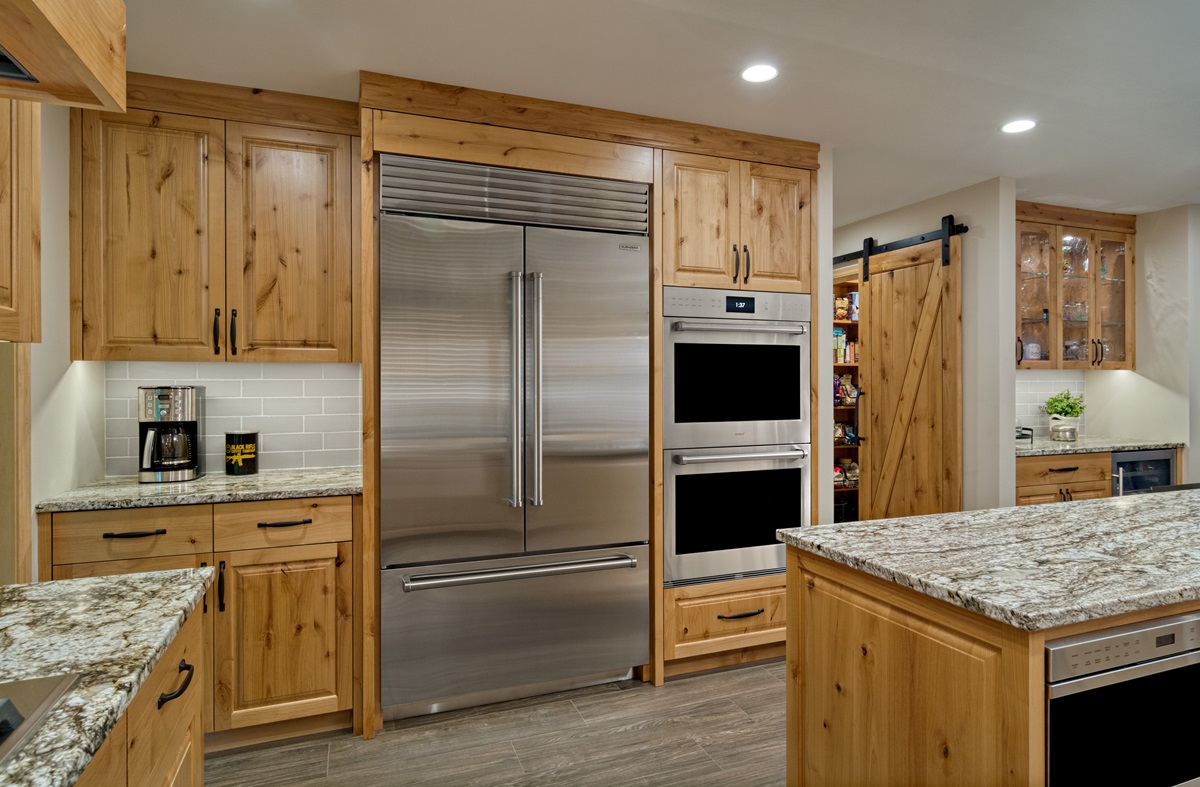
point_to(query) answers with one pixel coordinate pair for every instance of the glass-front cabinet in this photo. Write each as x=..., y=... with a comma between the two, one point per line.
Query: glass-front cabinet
x=1037, y=257
x=1075, y=293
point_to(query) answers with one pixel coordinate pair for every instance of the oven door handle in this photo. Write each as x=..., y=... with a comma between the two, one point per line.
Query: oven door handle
x=697, y=459
x=733, y=327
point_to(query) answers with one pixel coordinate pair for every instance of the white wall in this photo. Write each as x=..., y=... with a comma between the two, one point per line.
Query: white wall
x=822, y=337
x=67, y=398
x=989, y=286
x=1152, y=402
x=1191, y=470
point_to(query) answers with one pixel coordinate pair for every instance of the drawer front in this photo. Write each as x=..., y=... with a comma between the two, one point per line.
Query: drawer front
x=265, y=524
x=155, y=733
x=1063, y=469
x=1089, y=491
x=130, y=533
x=723, y=616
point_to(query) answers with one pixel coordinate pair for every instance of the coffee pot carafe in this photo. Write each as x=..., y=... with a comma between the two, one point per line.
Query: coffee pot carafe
x=169, y=433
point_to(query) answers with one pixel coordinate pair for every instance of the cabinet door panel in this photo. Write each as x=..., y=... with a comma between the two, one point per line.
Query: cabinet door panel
x=1037, y=325
x=700, y=222
x=153, y=244
x=1114, y=300
x=282, y=641
x=288, y=205
x=776, y=227
x=1076, y=309
x=20, y=221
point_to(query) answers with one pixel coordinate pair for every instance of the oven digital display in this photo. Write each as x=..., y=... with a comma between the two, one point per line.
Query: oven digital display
x=1164, y=640
x=734, y=303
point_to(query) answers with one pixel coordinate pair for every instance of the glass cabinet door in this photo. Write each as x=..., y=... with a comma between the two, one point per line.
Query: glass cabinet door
x=1112, y=294
x=1075, y=282
x=1036, y=259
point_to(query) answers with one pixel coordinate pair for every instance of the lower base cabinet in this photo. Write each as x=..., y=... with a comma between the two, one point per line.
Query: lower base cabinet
x=1062, y=478
x=723, y=616
x=160, y=738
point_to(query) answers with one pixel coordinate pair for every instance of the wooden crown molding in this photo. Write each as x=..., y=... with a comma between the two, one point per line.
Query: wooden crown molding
x=244, y=104
x=1076, y=217
x=433, y=99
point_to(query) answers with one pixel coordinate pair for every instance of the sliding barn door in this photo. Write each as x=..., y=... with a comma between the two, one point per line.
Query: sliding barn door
x=911, y=305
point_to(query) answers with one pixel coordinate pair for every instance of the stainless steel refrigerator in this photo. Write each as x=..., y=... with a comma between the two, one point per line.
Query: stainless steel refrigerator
x=514, y=435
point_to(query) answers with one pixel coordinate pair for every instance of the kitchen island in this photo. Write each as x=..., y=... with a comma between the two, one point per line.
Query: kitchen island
x=916, y=645
x=112, y=632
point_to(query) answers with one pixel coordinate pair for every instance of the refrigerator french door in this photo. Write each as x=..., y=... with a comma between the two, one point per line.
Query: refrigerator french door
x=514, y=459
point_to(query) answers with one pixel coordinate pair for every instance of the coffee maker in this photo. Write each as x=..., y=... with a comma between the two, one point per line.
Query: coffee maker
x=169, y=433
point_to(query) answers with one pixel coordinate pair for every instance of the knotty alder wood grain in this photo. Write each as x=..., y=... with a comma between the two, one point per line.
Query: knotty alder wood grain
x=701, y=196
x=20, y=221
x=153, y=244
x=79, y=535
x=1077, y=217
x=288, y=203
x=777, y=226
x=415, y=97
x=698, y=617
x=244, y=104
x=75, y=49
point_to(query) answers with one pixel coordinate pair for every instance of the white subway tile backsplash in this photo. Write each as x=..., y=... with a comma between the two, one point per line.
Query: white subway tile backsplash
x=1035, y=386
x=307, y=415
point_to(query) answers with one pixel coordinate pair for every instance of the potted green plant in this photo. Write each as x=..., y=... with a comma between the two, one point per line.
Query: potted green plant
x=1064, y=411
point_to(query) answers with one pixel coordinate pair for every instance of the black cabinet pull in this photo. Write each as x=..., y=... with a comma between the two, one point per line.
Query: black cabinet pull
x=1020, y=349
x=740, y=615
x=1063, y=469
x=205, y=597
x=737, y=264
x=221, y=588
x=292, y=523
x=1100, y=344
x=1070, y=497
x=137, y=533
x=1062, y=495
x=190, y=669
x=746, y=276
x=216, y=331
x=233, y=332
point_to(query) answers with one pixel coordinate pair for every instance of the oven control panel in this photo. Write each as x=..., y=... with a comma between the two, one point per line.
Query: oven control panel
x=736, y=304
x=1099, y=651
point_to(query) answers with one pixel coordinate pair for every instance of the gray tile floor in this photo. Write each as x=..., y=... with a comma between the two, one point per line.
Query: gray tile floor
x=720, y=728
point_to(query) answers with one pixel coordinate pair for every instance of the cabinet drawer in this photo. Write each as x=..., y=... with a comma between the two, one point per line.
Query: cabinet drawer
x=264, y=524
x=1063, y=469
x=155, y=732
x=1062, y=493
x=93, y=536
x=724, y=616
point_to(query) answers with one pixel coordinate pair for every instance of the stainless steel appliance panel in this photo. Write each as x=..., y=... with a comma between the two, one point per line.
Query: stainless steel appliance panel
x=1138, y=472
x=722, y=506
x=587, y=395
x=467, y=629
x=450, y=369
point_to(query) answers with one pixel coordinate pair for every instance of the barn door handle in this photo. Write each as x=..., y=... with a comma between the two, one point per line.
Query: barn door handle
x=737, y=263
x=740, y=615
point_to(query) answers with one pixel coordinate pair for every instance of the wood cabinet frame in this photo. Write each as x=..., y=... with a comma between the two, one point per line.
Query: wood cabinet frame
x=20, y=221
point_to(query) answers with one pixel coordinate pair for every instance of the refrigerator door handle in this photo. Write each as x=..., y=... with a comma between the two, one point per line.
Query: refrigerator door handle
x=536, y=384
x=681, y=326
x=518, y=396
x=479, y=577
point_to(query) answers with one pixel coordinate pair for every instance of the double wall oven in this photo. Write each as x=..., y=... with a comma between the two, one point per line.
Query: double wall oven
x=736, y=430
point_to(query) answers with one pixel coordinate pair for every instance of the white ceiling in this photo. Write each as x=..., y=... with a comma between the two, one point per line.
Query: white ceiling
x=908, y=94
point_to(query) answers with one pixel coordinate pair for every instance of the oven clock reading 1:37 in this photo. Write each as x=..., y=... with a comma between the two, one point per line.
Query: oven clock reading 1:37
x=733, y=304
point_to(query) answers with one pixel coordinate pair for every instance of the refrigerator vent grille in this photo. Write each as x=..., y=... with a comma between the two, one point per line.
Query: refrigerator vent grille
x=429, y=187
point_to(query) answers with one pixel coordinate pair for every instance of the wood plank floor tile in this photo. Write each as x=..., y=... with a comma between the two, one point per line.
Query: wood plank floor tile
x=364, y=765
x=302, y=764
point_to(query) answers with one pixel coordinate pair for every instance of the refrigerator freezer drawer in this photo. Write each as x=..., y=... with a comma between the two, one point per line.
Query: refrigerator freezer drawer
x=473, y=632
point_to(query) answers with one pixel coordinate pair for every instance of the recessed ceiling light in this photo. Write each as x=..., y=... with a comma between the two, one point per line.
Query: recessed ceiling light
x=1017, y=126
x=760, y=73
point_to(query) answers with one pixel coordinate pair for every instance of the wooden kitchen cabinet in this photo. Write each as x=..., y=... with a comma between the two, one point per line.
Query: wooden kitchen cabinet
x=1063, y=478
x=1075, y=288
x=207, y=240
x=20, y=221
x=723, y=616
x=732, y=224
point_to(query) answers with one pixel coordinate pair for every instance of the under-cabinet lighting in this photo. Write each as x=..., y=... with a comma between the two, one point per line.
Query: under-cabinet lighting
x=760, y=73
x=1017, y=126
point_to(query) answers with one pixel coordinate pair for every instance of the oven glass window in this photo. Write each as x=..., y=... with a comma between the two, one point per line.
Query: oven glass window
x=715, y=511
x=1138, y=731
x=736, y=382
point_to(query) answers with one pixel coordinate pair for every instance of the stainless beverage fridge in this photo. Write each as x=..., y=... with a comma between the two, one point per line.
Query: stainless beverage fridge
x=514, y=434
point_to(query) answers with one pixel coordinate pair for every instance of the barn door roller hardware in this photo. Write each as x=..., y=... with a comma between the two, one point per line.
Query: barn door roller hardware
x=949, y=229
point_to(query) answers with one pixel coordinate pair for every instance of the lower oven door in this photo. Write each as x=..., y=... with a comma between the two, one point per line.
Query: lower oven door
x=722, y=507
x=1134, y=725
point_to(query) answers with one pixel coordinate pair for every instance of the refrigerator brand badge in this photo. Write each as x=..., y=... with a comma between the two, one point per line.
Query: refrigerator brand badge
x=630, y=247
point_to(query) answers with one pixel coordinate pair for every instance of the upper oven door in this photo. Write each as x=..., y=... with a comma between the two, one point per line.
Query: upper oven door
x=734, y=382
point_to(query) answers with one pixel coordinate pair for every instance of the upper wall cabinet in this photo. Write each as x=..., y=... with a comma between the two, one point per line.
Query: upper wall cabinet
x=1075, y=289
x=20, y=221
x=206, y=240
x=735, y=224
x=64, y=52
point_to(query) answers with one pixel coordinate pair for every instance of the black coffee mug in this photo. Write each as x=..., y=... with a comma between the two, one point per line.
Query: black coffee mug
x=241, y=453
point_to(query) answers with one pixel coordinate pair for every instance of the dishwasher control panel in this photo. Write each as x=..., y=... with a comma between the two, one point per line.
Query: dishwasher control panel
x=1099, y=651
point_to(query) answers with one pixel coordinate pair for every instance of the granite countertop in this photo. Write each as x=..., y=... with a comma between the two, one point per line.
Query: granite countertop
x=126, y=492
x=109, y=630
x=1033, y=567
x=1043, y=446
